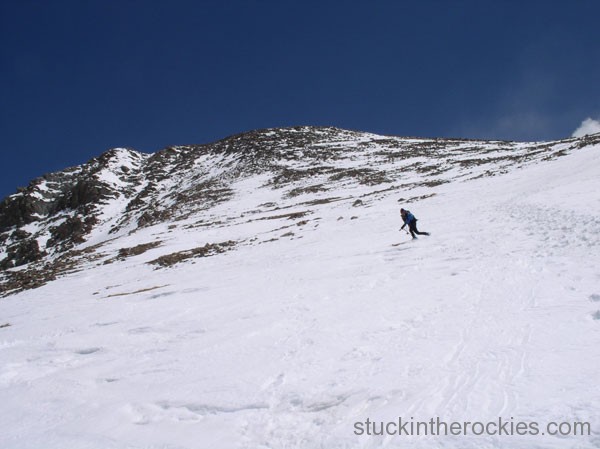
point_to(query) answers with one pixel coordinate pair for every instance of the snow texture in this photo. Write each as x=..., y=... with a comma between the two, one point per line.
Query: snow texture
x=335, y=318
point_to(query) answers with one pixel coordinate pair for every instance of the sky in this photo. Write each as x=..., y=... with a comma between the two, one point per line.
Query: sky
x=80, y=77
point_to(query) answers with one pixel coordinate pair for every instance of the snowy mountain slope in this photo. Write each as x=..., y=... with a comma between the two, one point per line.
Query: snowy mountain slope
x=61, y=219
x=270, y=320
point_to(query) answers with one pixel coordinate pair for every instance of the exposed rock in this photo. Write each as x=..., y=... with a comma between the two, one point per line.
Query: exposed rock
x=16, y=211
x=86, y=192
x=289, y=216
x=21, y=253
x=210, y=249
x=138, y=249
x=71, y=231
x=40, y=273
x=20, y=234
x=123, y=190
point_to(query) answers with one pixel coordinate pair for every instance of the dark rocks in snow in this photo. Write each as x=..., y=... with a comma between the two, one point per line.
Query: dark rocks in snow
x=21, y=253
x=210, y=249
x=71, y=231
x=305, y=190
x=366, y=176
x=138, y=249
x=289, y=216
x=35, y=204
x=40, y=273
x=87, y=191
x=20, y=234
x=123, y=190
x=17, y=211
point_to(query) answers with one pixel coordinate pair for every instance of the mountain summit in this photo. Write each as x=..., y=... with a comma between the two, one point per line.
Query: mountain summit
x=65, y=216
x=256, y=293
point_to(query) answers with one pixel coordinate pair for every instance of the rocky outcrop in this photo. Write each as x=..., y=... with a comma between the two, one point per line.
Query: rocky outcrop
x=23, y=252
x=123, y=190
x=71, y=232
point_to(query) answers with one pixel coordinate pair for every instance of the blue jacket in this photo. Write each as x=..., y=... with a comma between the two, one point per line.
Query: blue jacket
x=408, y=218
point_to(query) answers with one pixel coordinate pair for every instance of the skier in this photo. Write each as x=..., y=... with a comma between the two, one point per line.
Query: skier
x=410, y=220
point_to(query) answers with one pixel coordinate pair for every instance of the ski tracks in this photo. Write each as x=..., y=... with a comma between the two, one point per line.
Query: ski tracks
x=489, y=342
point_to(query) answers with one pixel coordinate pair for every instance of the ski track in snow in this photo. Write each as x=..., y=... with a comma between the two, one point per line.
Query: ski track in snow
x=287, y=344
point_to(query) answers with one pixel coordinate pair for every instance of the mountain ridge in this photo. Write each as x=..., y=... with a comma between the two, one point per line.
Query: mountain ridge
x=288, y=308
x=123, y=190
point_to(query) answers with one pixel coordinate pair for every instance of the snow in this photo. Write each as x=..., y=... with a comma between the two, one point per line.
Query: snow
x=287, y=344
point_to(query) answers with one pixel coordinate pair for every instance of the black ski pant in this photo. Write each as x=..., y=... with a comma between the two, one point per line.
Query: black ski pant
x=412, y=227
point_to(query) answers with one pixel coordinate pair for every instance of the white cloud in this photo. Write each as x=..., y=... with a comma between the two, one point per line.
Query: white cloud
x=588, y=126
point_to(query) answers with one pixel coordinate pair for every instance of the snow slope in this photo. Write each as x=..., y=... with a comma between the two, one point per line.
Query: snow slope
x=287, y=344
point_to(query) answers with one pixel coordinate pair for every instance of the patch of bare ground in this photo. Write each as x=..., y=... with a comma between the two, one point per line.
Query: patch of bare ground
x=38, y=274
x=142, y=290
x=290, y=216
x=124, y=253
x=210, y=249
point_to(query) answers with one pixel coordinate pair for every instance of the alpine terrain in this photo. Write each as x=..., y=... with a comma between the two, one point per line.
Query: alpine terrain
x=256, y=293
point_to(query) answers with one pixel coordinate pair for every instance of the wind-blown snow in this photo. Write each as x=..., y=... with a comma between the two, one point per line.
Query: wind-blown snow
x=288, y=344
x=588, y=126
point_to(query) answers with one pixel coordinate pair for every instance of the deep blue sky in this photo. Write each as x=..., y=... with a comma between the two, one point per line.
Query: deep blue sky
x=79, y=77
